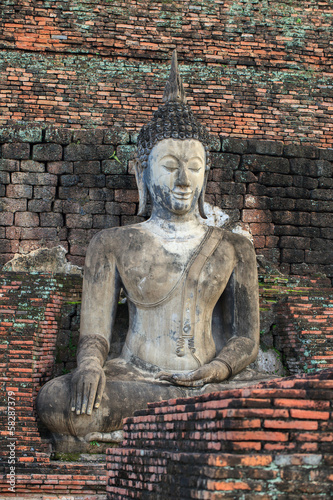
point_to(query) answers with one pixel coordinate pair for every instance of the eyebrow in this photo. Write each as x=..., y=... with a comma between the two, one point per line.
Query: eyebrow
x=188, y=159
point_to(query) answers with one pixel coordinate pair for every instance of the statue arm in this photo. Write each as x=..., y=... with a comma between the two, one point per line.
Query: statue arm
x=240, y=324
x=240, y=313
x=101, y=286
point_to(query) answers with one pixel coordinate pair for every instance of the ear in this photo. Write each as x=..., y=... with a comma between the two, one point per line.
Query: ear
x=201, y=200
x=142, y=188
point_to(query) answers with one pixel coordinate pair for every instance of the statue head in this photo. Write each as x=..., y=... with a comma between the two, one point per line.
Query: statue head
x=173, y=156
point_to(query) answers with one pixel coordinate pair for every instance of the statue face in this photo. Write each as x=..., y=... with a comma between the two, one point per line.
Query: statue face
x=175, y=174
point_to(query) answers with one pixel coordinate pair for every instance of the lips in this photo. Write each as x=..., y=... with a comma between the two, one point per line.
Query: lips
x=182, y=194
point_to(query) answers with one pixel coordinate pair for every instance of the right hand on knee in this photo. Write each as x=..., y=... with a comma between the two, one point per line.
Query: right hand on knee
x=88, y=383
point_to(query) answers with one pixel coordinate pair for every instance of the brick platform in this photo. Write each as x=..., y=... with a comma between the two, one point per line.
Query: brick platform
x=270, y=441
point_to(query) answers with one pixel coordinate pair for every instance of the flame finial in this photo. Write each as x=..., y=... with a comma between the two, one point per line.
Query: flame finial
x=174, y=90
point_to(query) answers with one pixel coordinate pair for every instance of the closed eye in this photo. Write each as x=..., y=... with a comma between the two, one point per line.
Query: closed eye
x=195, y=165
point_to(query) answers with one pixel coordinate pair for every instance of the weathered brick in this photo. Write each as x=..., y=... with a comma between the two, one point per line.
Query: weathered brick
x=98, y=194
x=261, y=202
x=305, y=182
x=51, y=220
x=4, y=177
x=222, y=175
x=232, y=201
x=39, y=205
x=93, y=207
x=270, y=179
x=268, y=164
x=35, y=179
x=38, y=233
x=120, y=182
x=244, y=176
x=234, y=145
x=47, y=152
x=322, y=219
x=300, y=151
x=113, y=208
x=116, y=135
x=292, y=255
x=281, y=203
x=32, y=166
x=322, y=194
x=87, y=167
x=113, y=167
x=13, y=205
x=294, y=218
x=256, y=216
x=75, y=193
x=271, y=241
x=45, y=192
x=85, y=152
x=9, y=165
x=16, y=151
x=69, y=180
x=105, y=221
x=325, y=182
x=225, y=161
x=319, y=257
x=6, y=219
x=295, y=242
x=26, y=219
x=60, y=167
x=88, y=136
x=274, y=148
x=89, y=180
x=304, y=166
x=79, y=221
x=19, y=191
x=262, y=229
x=124, y=195
x=257, y=189
x=127, y=220
x=58, y=135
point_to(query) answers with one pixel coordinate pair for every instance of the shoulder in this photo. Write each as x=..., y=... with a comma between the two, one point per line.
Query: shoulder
x=116, y=239
x=241, y=245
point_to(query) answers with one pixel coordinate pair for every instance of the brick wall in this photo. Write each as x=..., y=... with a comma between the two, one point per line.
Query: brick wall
x=31, y=308
x=252, y=69
x=62, y=186
x=271, y=441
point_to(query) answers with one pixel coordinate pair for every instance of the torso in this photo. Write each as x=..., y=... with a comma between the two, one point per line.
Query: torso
x=153, y=271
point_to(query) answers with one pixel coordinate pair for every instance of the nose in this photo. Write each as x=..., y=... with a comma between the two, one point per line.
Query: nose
x=183, y=178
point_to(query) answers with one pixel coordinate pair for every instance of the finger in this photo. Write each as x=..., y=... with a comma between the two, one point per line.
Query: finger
x=86, y=393
x=194, y=383
x=73, y=396
x=100, y=390
x=92, y=396
x=79, y=391
x=191, y=376
x=166, y=376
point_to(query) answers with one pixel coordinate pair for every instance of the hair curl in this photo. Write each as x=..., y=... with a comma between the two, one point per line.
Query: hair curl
x=173, y=120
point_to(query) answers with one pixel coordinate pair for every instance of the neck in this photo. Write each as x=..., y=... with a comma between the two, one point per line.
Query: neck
x=178, y=226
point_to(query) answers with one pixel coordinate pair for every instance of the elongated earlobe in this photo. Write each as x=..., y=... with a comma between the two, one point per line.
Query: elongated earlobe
x=142, y=188
x=201, y=200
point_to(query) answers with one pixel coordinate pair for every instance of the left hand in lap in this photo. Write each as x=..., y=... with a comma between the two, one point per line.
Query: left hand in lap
x=213, y=372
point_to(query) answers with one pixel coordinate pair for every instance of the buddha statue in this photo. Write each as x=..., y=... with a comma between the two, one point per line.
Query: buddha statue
x=192, y=293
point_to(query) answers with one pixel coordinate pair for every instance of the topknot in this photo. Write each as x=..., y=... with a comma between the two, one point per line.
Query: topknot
x=174, y=119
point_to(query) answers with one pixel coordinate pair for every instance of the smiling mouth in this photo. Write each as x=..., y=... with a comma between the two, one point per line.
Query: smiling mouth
x=182, y=195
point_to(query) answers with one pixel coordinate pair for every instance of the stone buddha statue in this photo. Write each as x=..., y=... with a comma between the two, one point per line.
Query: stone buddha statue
x=192, y=293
